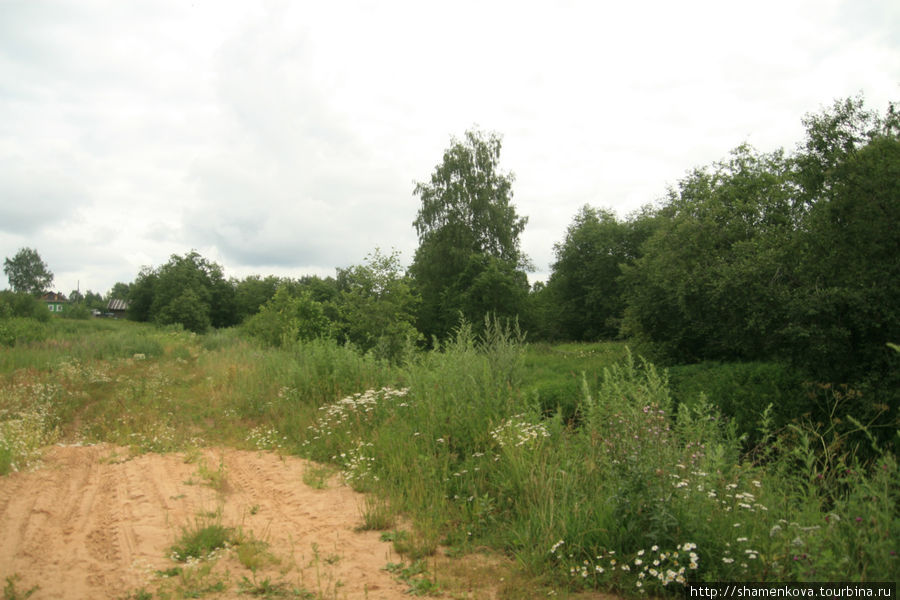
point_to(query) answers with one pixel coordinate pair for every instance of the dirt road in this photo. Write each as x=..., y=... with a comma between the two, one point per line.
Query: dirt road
x=94, y=522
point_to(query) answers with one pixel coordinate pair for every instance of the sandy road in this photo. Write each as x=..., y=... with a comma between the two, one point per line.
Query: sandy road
x=94, y=523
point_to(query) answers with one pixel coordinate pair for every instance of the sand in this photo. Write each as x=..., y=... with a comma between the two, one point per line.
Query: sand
x=94, y=522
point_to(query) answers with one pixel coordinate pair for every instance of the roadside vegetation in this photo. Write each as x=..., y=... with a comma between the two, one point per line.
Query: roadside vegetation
x=577, y=460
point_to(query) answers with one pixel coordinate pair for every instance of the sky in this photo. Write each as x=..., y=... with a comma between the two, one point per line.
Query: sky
x=286, y=138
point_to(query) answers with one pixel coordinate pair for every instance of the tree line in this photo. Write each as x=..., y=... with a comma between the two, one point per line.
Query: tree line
x=776, y=255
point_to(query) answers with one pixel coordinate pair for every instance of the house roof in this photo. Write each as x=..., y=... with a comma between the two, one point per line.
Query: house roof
x=117, y=304
x=53, y=297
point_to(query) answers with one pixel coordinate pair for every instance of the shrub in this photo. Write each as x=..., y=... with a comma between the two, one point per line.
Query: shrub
x=742, y=391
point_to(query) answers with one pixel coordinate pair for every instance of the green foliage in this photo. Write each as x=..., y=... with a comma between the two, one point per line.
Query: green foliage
x=187, y=310
x=584, y=285
x=466, y=210
x=11, y=593
x=287, y=318
x=21, y=304
x=251, y=293
x=742, y=391
x=17, y=331
x=201, y=539
x=486, y=286
x=78, y=311
x=188, y=290
x=27, y=272
x=709, y=281
x=765, y=257
x=844, y=310
x=376, y=307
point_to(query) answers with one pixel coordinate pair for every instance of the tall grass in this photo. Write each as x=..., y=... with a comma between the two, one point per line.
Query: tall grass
x=611, y=484
x=635, y=495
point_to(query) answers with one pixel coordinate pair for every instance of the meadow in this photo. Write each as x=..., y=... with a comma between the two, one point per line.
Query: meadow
x=583, y=462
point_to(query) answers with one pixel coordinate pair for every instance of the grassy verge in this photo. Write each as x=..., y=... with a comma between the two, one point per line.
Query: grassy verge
x=577, y=460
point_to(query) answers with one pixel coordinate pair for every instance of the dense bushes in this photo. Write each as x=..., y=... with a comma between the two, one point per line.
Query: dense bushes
x=743, y=391
x=765, y=258
x=644, y=494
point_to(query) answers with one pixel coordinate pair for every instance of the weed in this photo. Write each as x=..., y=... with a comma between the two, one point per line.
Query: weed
x=217, y=478
x=317, y=476
x=269, y=589
x=416, y=576
x=140, y=594
x=377, y=514
x=254, y=554
x=11, y=593
x=202, y=539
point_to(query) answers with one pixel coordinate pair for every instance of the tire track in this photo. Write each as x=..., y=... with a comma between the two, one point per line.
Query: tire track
x=84, y=526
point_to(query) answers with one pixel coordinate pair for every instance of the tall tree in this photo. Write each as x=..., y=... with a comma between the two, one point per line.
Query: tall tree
x=376, y=307
x=585, y=278
x=466, y=210
x=27, y=272
x=711, y=277
x=188, y=289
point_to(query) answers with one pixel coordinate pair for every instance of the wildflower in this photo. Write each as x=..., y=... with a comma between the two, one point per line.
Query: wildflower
x=727, y=560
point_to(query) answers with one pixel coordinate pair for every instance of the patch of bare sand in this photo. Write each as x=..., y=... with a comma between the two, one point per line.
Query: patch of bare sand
x=93, y=522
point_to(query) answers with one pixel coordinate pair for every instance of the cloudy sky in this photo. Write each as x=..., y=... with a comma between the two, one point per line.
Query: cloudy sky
x=286, y=137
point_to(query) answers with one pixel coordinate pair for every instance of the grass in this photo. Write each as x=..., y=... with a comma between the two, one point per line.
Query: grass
x=201, y=540
x=556, y=456
x=11, y=593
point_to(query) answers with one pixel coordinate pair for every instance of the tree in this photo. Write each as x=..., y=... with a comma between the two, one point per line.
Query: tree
x=251, y=293
x=712, y=276
x=288, y=317
x=189, y=290
x=466, y=210
x=844, y=311
x=377, y=306
x=28, y=273
x=119, y=291
x=585, y=277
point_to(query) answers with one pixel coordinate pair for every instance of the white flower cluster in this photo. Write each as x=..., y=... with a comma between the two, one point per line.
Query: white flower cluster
x=156, y=437
x=517, y=432
x=662, y=568
x=349, y=409
x=265, y=438
x=24, y=431
x=357, y=464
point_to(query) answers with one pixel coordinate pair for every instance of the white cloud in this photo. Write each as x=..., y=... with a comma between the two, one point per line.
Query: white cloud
x=285, y=137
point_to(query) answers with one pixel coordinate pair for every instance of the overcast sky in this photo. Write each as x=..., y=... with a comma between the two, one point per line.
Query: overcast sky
x=286, y=138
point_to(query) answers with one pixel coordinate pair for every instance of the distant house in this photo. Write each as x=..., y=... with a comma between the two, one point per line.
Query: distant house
x=116, y=308
x=55, y=301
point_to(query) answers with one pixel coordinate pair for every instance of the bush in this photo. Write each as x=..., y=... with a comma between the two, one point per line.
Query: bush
x=20, y=304
x=287, y=318
x=77, y=311
x=742, y=391
x=21, y=330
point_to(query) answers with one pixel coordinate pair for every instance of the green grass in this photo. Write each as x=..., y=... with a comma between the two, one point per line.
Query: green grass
x=565, y=457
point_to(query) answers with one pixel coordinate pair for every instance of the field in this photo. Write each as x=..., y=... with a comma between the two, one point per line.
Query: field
x=155, y=463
